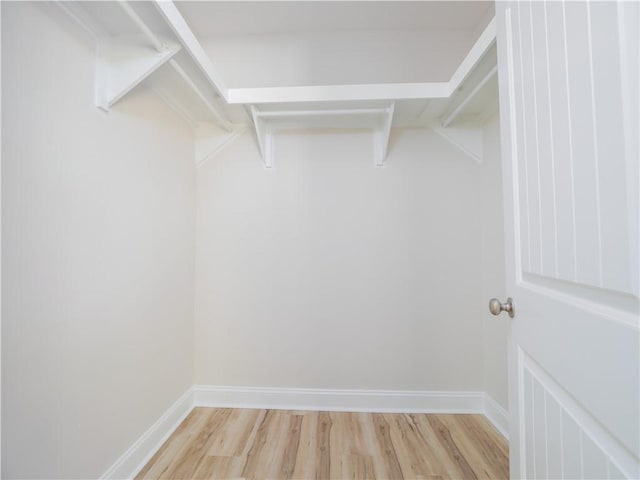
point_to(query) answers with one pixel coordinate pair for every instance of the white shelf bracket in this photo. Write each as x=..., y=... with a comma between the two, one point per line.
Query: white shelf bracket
x=466, y=140
x=378, y=119
x=211, y=140
x=264, y=137
x=381, y=137
x=160, y=47
x=124, y=62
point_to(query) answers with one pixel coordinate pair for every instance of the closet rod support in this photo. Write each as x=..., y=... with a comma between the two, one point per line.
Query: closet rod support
x=159, y=46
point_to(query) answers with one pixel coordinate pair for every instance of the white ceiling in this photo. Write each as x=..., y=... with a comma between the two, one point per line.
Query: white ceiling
x=249, y=17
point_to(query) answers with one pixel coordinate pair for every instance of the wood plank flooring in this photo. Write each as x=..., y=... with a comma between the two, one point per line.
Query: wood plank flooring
x=240, y=443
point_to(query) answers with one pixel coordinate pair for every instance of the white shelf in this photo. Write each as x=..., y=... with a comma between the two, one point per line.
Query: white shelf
x=167, y=56
x=377, y=119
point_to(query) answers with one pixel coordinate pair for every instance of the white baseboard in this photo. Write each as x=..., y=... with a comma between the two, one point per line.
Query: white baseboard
x=392, y=401
x=338, y=400
x=137, y=456
x=398, y=401
x=497, y=415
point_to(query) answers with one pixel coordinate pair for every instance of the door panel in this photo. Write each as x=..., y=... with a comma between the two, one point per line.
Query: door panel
x=569, y=117
x=565, y=439
x=543, y=139
x=559, y=125
x=530, y=165
x=616, y=261
x=571, y=207
x=587, y=248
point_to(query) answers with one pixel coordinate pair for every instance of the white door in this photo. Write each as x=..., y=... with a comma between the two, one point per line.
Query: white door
x=569, y=111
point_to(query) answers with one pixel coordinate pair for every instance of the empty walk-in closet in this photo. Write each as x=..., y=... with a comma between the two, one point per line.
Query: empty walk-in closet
x=320, y=239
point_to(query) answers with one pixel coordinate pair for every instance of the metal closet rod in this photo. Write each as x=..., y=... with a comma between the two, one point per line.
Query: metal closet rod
x=159, y=46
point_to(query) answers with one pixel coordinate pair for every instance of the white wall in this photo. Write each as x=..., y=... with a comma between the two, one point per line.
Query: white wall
x=493, y=267
x=325, y=272
x=97, y=256
x=330, y=273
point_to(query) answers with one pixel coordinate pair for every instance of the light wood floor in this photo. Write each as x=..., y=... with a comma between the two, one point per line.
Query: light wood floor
x=234, y=443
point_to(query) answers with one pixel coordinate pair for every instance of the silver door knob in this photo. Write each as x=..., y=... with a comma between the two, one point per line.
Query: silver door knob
x=495, y=307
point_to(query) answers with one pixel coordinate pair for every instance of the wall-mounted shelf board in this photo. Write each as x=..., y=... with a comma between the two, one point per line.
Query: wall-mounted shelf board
x=151, y=43
x=269, y=121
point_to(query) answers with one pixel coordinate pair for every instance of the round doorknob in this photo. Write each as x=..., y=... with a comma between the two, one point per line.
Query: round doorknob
x=495, y=307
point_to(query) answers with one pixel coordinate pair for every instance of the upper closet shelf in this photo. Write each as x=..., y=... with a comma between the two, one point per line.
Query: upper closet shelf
x=151, y=42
